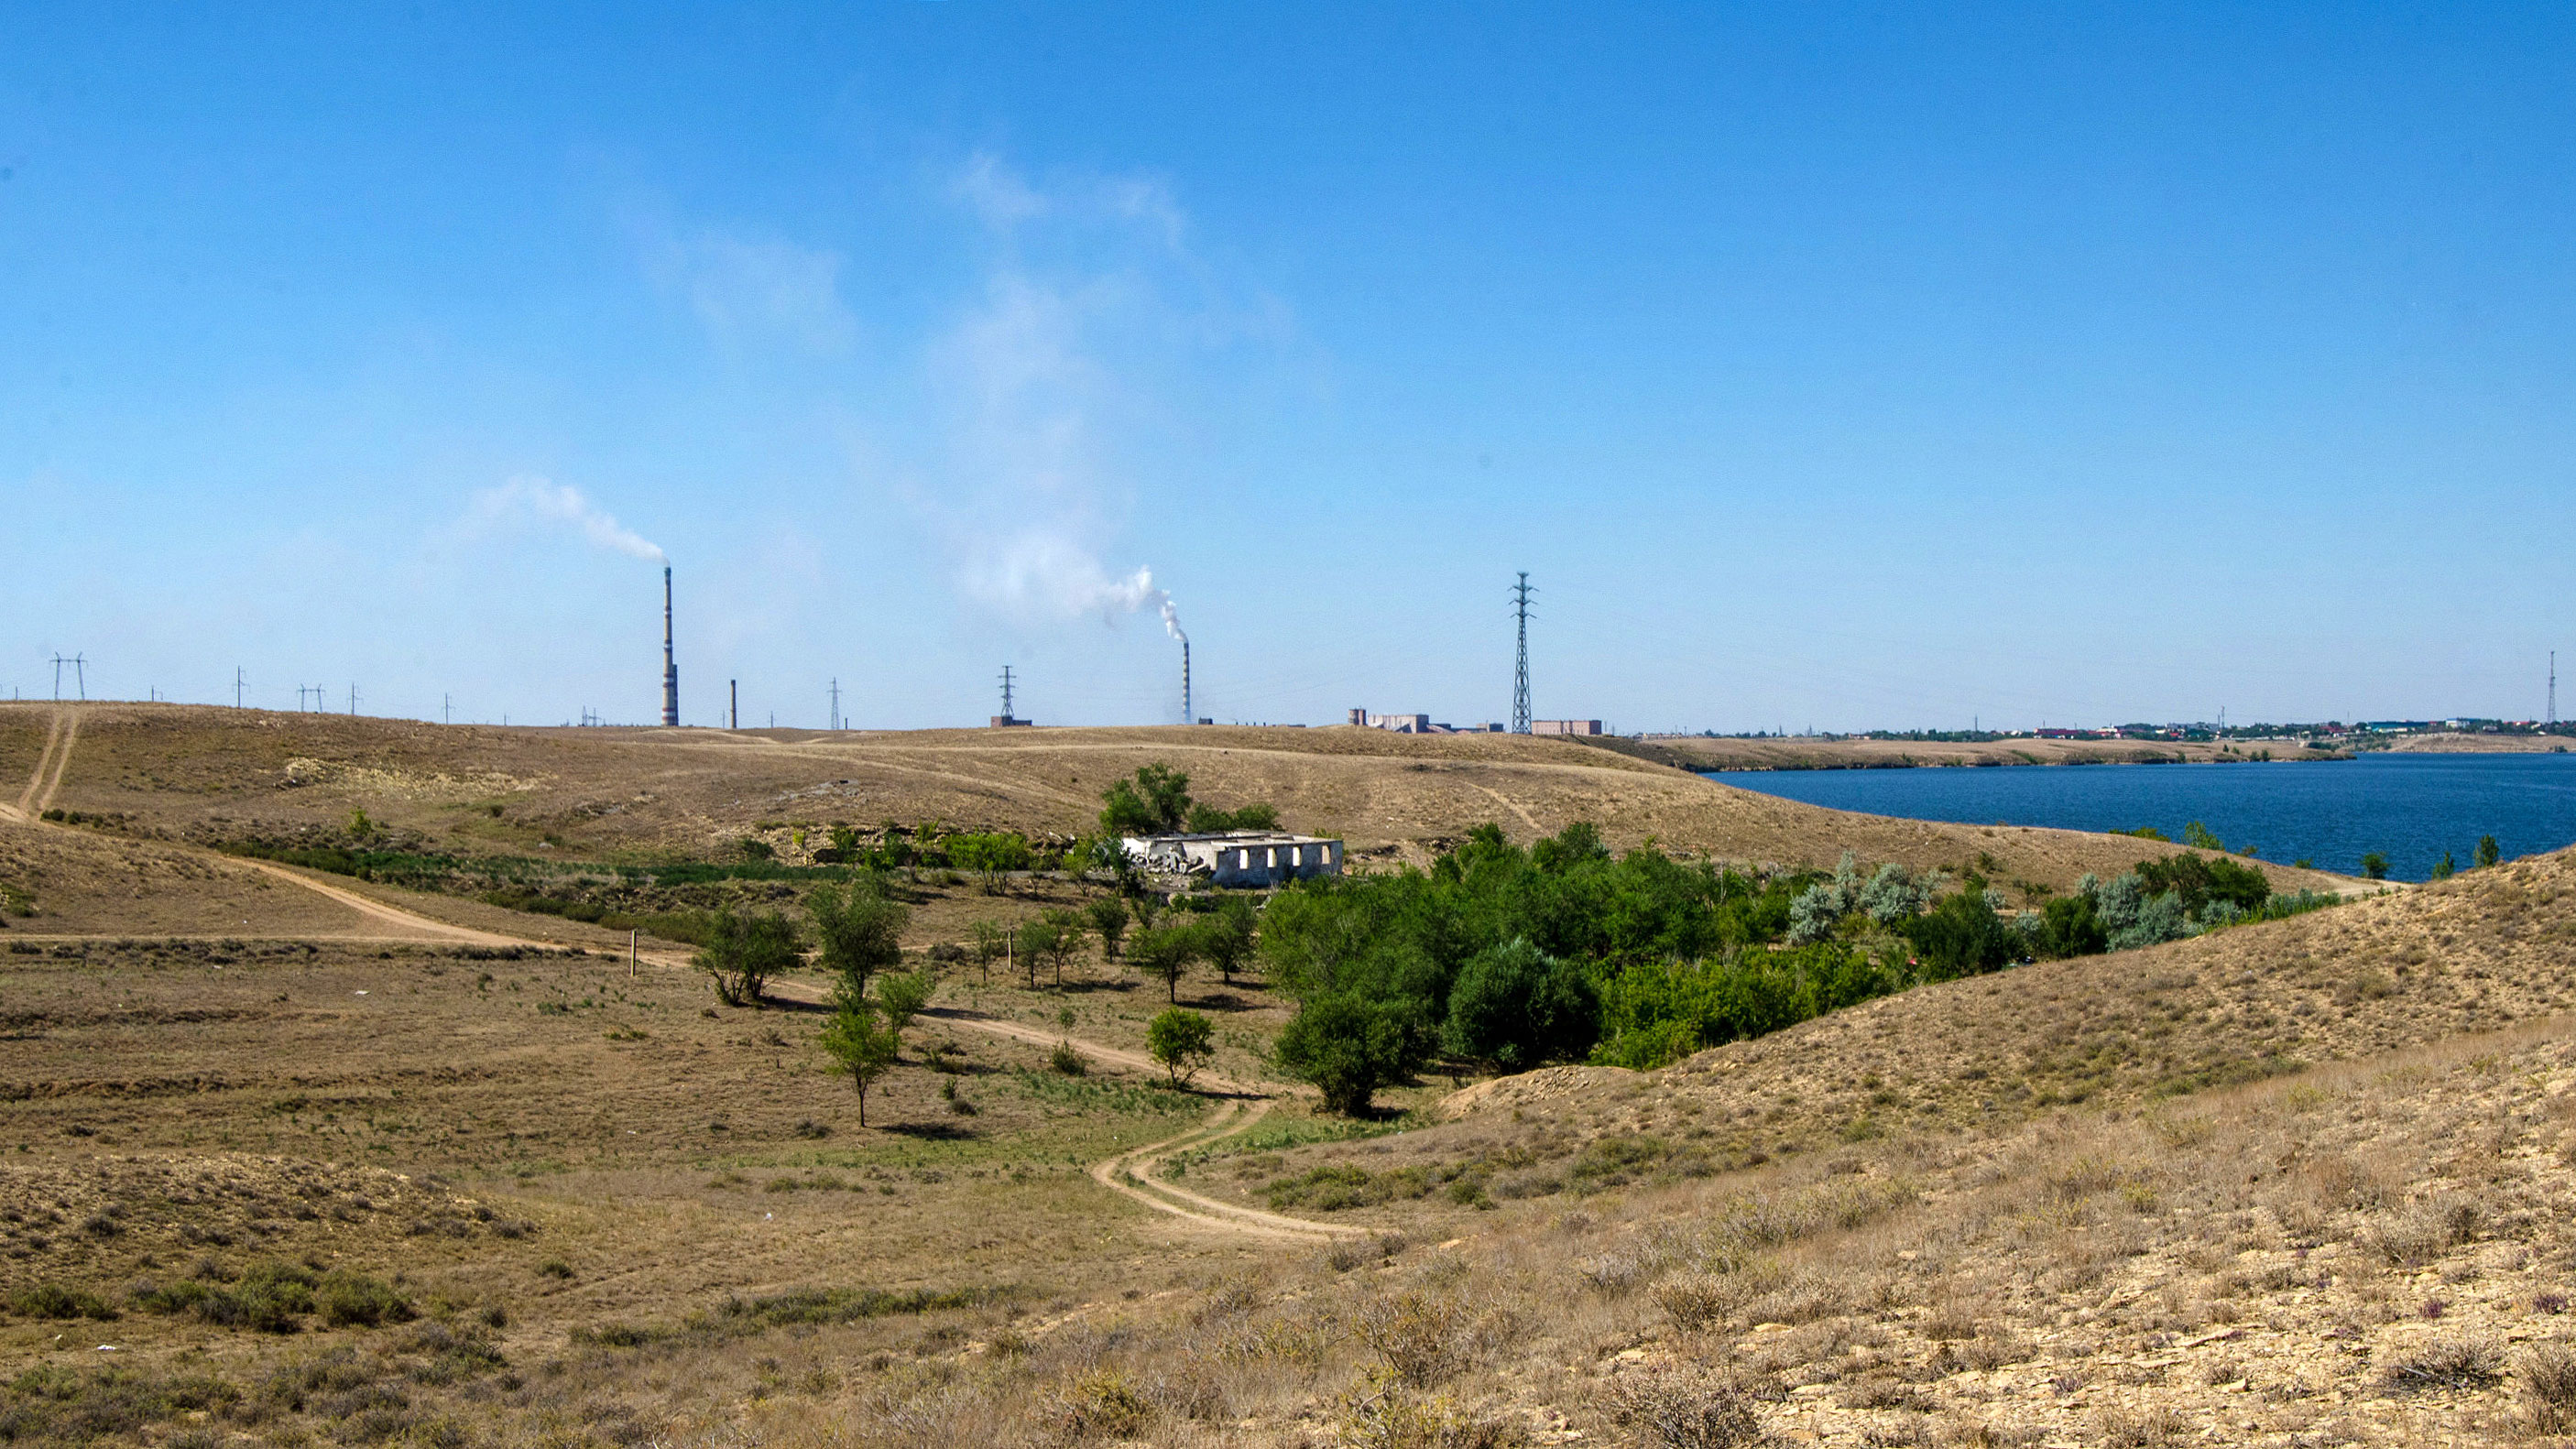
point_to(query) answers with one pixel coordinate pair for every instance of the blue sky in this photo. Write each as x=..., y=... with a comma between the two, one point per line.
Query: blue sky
x=1825, y=366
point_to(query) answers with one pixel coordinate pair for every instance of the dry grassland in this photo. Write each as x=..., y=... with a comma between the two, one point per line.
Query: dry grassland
x=208, y=774
x=538, y=1153
x=2301, y=1183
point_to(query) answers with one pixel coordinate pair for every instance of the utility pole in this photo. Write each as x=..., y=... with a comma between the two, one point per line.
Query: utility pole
x=836, y=701
x=447, y=709
x=59, y=662
x=1520, y=670
x=80, y=677
x=2553, y=689
x=353, y=699
x=733, y=704
x=237, y=686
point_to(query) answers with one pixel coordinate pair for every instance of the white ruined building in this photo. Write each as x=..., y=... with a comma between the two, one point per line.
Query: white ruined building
x=1237, y=857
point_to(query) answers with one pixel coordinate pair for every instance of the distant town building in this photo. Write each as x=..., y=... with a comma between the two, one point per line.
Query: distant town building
x=1418, y=724
x=1006, y=722
x=1566, y=727
x=1238, y=857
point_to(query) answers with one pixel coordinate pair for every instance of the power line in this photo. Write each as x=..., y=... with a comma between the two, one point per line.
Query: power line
x=1520, y=669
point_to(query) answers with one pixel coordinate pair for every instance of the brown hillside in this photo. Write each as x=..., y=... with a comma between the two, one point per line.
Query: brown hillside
x=2476, y=954
x=205, y=773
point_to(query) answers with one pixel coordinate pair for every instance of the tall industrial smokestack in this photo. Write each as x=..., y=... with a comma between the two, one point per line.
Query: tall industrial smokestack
x=670, y=670
x=1186, y=716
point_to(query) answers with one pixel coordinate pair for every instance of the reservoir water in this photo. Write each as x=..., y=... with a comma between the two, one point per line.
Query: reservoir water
x=2409, y=808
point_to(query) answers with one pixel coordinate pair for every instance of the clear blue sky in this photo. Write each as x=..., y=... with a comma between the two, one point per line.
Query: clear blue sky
x=1824, y=365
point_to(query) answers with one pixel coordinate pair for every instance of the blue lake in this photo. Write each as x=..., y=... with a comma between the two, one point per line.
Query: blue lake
x=2410, y=808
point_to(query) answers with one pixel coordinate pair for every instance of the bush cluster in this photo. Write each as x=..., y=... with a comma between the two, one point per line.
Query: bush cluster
x=1514, y=957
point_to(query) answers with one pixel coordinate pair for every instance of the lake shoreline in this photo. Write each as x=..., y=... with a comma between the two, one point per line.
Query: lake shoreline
x=2410, y=807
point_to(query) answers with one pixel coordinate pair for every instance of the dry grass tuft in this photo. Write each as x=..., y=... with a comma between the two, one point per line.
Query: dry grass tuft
x=2548, y=1375
x=2452, y=1365
x=1684, y=1407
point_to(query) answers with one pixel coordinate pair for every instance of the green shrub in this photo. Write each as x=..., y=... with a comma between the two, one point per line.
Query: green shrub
x=52, y=1300
x=348, y=1300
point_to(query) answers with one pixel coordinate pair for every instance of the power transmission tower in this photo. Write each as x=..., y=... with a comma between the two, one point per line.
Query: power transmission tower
x=836, y=701
x=59, y=662
x=1006, y=691
x=733, y=704
x=80, y=675
x=447, y=709
x=2553, y=689
x=1520, y=670
x=353, y=699
x=237, y=686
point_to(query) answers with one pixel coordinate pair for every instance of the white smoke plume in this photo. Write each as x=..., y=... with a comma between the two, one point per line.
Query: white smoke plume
x=531, y=498
x=1052, y=388
x=1043, y=573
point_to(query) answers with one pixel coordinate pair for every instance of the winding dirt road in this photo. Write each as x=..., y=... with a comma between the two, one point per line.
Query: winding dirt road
x=1131, y=1174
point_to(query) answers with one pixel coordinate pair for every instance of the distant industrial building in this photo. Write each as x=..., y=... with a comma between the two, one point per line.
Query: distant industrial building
x=1238, y=857
x=1566, y=727
x=1418, y=724
x=1005, y=722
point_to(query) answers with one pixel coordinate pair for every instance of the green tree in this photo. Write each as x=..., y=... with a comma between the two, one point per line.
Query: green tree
x=1035, y=940
x=1226, y=936
x=901, y=995
x=2200, y=879
x=1516, y=1007
x=1070, y=927
x=860, y=928
x=2444, y=868
x=2201, y=837
x=1207, y=819
x=2072, y=926
x=1155, y=802
x=1962, y=936
x=865, y=1046
x=1165, y=951
x=1349, y=1046
x=2488, y=852
x=1182, y=1040
x=744, y=949
x=992, y=943
x=2375, y=866
x=1109, y=921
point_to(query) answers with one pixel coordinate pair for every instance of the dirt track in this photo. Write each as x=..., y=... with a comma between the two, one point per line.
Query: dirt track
x=1129, y=1174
